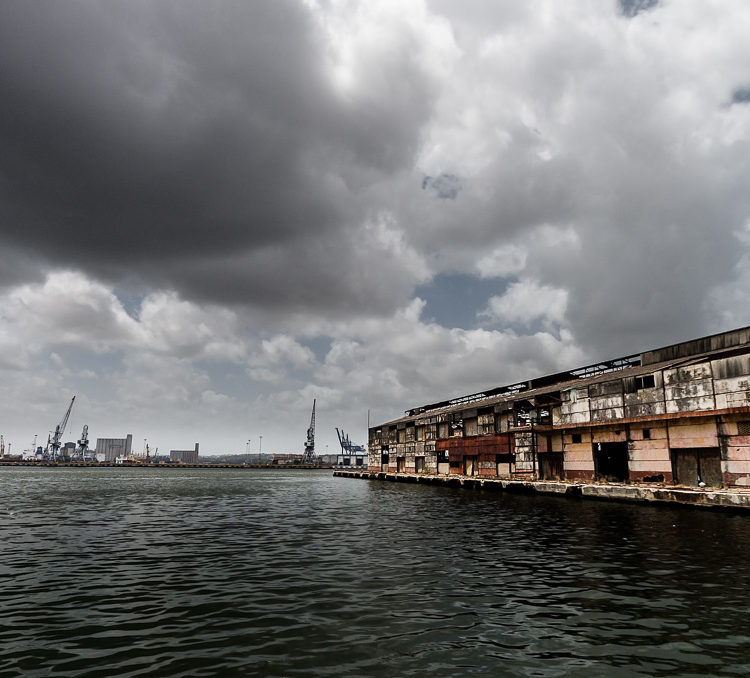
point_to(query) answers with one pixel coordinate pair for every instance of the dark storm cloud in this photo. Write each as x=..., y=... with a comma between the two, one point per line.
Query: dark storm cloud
x=142, y=138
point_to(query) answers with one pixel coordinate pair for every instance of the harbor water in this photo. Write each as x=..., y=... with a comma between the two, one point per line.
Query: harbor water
x=166, y=572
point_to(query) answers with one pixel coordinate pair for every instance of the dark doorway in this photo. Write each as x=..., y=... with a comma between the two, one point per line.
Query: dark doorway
x=611, y=461
x=697, y=464
x=418, y=464
x=551, y=466
x=400, y=464
x=384, y=461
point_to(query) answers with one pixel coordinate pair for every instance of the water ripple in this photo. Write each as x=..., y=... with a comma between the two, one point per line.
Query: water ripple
x=146, y=572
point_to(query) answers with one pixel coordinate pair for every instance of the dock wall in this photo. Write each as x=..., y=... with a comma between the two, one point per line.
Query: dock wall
x=738, y=500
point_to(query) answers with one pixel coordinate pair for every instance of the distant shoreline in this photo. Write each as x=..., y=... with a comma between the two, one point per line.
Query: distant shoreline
x=108, y=464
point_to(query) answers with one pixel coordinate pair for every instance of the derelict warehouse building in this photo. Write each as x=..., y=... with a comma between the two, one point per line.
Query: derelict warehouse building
x=676, y=415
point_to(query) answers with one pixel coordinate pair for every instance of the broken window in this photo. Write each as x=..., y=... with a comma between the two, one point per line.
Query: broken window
x=523, y=418
x=575, y=438
x=646, y=381
x=544, y=415
x=646, y=433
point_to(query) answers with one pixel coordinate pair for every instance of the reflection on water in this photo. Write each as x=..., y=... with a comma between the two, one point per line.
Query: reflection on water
x=149, y=572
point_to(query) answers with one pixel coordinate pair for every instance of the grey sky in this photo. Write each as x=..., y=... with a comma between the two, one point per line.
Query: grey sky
x=213, y=212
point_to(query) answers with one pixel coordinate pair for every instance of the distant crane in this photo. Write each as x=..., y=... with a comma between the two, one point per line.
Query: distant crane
x=309, y=456
x=82, y=452
x=348, y=448
x=53, y=445
x=2, y=446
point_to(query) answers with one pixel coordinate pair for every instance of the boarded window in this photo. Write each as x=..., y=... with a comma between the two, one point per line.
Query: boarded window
x=443, y=430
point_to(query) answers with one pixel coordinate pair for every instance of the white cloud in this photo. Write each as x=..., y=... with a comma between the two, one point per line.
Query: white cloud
x=502, y=261
x=526, y=301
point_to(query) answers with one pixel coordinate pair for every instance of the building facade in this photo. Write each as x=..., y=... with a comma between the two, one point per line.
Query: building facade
x=678, y=415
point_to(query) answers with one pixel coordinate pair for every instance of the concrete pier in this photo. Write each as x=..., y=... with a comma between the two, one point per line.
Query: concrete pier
x=732, y=499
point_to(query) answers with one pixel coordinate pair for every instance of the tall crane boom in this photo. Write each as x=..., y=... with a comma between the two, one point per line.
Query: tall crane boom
x=54, y=443
x=309, y=456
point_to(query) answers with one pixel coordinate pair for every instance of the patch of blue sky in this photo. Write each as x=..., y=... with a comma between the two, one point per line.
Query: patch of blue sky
x=82, y=364
x=320, y=346
x=444, y=186
x=631, y=8
x=131, y=301
x=457, y=299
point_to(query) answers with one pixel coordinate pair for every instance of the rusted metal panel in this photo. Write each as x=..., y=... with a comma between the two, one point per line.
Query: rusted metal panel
x=551, y=466
x=687, y=374
x=691, y=389
x=606, y=402
x=697, y=346
x=644, y=410
x=730, y=400
x=606, y=388
x=644, y=396
x=576, y=418
x=607, y=415
x=693, y=466
x=731, y=368
x=697, y=404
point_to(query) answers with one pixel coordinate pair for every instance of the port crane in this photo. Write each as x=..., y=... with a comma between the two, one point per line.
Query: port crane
x=53, y=444
x=82, y=452
x=348, y=448
x=309, y=456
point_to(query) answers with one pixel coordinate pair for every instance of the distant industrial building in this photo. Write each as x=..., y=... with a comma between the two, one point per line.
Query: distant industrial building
x=185, y=456
x=112, y=448
x=674, y=415
x=286, y=459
